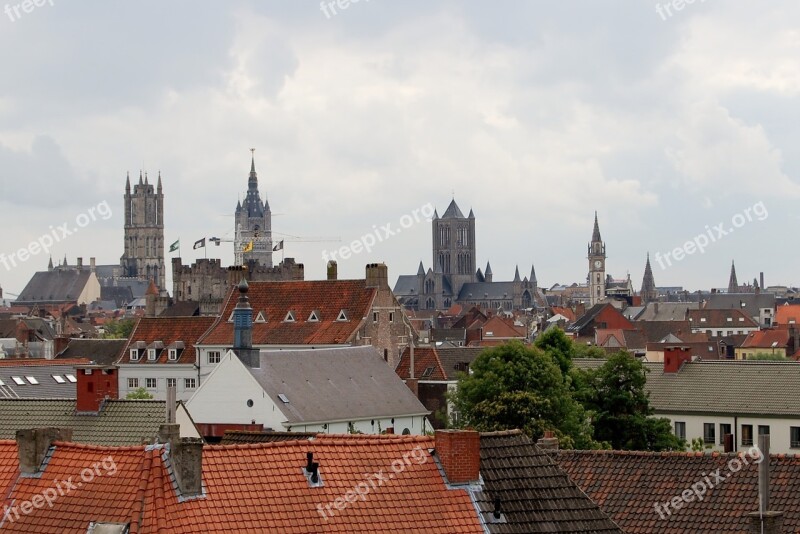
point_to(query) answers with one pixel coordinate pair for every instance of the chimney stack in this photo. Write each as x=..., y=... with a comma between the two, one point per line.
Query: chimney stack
x=761, y=280
x=675, y=357
x=333, y=270
x=459, y=452
x=765, y=521
x=377, y=275
x=96, y=383
x=186, y=456
x=92, y=265
x=80, y=264
x=33, y=444
x=548, y=442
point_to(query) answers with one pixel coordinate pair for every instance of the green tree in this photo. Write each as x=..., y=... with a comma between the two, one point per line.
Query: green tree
x=139, y=394
x=556, y=343
x=615, y=395
x=118, y=328
x=515, y=386
x=766, y=356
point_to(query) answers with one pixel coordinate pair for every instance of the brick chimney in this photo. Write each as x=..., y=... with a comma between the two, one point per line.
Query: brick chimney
x=675, y=357
x=33, y=444
x=186, y=455
x=548, y=442
x=333, y=270
x=96, y=383
x=377, y=275
x=459, y=452
x=60, y=343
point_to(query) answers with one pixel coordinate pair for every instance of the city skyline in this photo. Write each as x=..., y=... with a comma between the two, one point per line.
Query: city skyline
x=679, y=123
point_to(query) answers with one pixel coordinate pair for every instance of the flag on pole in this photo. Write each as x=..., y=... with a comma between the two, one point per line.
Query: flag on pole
x=200, y=243
x=248, y=247
x=173, y=247
x=279, y=246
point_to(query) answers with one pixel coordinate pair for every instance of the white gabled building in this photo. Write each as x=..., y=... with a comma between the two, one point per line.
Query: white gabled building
x=332, y=390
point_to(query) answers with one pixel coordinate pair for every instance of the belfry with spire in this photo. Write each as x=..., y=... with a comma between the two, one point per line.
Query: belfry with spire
x=253, y=232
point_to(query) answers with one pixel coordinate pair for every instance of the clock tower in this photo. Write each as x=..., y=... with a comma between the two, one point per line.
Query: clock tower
x=597, y=266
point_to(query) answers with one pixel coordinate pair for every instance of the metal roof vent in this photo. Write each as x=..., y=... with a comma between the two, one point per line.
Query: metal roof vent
x=311, y=472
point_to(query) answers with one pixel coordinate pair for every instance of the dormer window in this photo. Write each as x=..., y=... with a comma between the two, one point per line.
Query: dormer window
x=314, y=317
x=730, y=319
x=260, y=318
x=134, y=355
x=342, y=316
x=289, y=317
x=151, y=354
x=172, y=355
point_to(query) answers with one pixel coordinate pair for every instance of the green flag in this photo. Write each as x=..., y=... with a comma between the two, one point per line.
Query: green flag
x=173, y=247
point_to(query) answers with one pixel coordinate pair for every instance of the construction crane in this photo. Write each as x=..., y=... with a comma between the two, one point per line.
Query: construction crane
x=262, y=242
x=289, y=238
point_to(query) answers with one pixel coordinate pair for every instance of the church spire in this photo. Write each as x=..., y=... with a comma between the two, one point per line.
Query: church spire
x=596, y=231
x=128, y=183
x=533, y=276
x=159, y=181
x=516, y=275
x=252, y=181
x=649, y=292
x=733, y=284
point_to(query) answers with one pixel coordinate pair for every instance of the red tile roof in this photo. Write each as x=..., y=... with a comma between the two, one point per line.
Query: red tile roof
x=765, y=339
x=719, y=319
x=628, y=485
x=276, y=299
x=424, y=358
x=251, y=488
x=167, y=330
x=787, y=314
x=566, y=312
x=499, y=328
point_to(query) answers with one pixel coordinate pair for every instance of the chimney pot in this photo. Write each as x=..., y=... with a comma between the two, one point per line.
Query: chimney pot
x=333, y=270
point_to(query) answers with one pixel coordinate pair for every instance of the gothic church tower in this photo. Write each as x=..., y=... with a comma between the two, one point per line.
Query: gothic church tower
x=144, y=231
x=454, y=248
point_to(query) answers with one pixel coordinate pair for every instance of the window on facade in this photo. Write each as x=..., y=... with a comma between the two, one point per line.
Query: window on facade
x=680, y=429
x=708, y=433
x=374, y=317
x=151, y=383
x=747, y=435
x=794, y=437
x=214, y=356
x=189, y=383
x=391, y=317
x=133, y=383
x=724, y=428
x=172, y=382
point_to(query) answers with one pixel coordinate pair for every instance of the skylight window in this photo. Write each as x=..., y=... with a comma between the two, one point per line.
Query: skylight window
x=59, y=379
x=260, y=318
x=289, y=317
x=283, y=398
x=71, y=378
x=2, y=383
x=342, y=316
x=32, y=380
x=427, y=372
x=18, y=380
x=314, y=317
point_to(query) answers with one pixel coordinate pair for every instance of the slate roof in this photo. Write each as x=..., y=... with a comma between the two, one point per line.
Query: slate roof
x=120, y=422
x=119, y=295
x=276, y=299
x=448, y=334
x=627, y=486
x=170, y=331
x=750, y=303
x=667, y=311
x=247, y=488
x=239, y=437
x=475, y=291
x=406, y=285
x=334, y=384
x=756, y=388
x=100, y=351
x=42, y=371
x=536, y=494
x=453, y=211
x=54, y=287
x=185, y=308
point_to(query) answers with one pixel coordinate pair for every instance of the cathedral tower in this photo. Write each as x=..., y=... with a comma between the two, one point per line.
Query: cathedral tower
x=144, y=231
x=597, y=266
x=253, y=238
x=454, y=247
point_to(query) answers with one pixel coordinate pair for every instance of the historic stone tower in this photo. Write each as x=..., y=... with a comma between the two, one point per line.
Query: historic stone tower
x=253, y=237
x=144, y=232
x=597, y=266
x=454, y=247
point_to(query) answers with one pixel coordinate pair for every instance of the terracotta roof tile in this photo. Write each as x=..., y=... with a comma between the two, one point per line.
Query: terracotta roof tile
x=253, y=488
x=274, y=300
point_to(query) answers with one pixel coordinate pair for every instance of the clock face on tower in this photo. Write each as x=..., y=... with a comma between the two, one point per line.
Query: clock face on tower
x=598, y=264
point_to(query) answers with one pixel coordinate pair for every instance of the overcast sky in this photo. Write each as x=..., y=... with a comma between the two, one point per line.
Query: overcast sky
x=535, y=114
